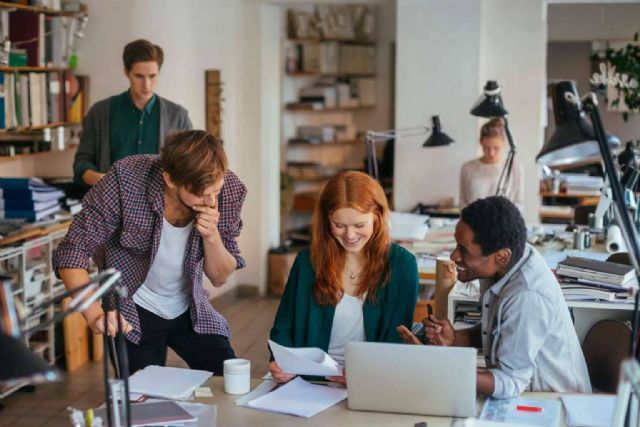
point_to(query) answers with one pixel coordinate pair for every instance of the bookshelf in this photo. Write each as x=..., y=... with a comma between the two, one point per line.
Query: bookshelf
x=41, y=105
x=329, y=99
x=42, y=97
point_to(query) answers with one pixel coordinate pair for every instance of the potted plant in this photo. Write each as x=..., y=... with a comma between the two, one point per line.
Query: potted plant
x=626, y=75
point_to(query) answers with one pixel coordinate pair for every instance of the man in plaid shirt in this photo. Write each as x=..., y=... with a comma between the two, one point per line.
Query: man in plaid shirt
x=162, y=221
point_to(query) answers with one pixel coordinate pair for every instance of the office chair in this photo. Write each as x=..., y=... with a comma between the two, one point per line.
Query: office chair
x=620, y=258
x=605, y=347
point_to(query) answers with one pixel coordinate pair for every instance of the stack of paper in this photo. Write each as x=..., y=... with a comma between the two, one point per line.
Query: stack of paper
x=167, y=383
x=298, y=397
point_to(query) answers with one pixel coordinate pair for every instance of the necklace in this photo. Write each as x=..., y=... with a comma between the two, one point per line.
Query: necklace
x=353, y=274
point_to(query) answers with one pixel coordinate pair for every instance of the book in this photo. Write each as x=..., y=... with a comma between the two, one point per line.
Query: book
x=36, y=196
x=581, y=293
x=597, y=271
x=28, y=28
x=26, y=204
x=29, y=215
x=153, y=413
x=2, y=101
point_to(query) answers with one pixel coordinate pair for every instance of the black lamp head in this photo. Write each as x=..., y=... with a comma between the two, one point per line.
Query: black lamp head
x=574, y=138
x=437, y=138
x=490, y=102
x=20, y=364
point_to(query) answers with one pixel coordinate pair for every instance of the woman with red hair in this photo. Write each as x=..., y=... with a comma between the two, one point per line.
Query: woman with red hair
x=353, y=283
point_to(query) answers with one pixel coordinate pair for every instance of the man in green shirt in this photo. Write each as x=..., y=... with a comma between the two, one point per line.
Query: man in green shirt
x=134, y=122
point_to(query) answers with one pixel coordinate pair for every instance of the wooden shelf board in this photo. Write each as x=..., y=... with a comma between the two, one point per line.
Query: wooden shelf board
x=570, y=195
x=556, y=215
x=326, y=144
x=342, y=41
x=327, y=110
x=6, y=69
x=318, y=74
x=46, y=11
x=40, y=153
x=37, y=128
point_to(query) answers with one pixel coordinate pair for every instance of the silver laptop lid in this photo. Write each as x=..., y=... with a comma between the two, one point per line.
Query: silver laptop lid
x=411, y=379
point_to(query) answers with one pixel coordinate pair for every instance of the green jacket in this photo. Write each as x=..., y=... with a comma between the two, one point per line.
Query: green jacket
x=300, y=322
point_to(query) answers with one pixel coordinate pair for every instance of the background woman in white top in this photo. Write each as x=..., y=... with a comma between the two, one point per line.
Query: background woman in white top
x=479, y=178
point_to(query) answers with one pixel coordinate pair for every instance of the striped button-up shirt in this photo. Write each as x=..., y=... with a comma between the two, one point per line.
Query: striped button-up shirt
x=120, y=226
x=528, y=338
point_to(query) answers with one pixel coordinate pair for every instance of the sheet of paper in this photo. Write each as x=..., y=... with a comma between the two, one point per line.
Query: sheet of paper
x=166, y=382
x=263, y=388
x=520, y=410
x=589, y=410
x=304, y=361
x=300, y=398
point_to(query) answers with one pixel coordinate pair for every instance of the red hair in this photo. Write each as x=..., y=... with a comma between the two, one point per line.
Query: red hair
x=358, y=191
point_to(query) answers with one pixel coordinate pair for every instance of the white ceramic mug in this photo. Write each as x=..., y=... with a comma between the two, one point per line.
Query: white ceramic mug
x=237, y=376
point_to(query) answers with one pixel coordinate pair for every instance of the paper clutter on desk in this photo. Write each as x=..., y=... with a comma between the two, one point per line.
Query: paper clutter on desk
x=406, y=226
x=298, y=397
x=166, y=382
x=304, y=361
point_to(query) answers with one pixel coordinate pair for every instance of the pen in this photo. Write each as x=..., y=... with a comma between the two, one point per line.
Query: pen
x=524, y=408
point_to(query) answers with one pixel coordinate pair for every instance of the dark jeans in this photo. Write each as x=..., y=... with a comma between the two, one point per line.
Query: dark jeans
x=201, y=351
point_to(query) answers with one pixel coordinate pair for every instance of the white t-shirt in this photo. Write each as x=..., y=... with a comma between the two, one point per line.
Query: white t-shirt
x=164, y=292
x=479, y=180
x=348, y=326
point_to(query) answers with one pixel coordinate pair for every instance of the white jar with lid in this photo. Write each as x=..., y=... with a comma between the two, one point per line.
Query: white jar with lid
x=237, y=376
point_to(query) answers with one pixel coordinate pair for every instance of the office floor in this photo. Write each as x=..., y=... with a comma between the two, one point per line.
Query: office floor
x=249, y=318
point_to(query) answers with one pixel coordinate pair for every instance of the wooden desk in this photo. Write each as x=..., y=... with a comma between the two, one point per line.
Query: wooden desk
x=339, y=415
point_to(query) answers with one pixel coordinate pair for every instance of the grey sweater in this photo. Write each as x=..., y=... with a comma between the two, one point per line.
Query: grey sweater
x=94, y=141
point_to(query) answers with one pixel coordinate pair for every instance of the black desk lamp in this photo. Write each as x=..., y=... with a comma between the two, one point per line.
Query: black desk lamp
x=437, y=139
x=490, y=105
x=576, y=139
x=19, y=364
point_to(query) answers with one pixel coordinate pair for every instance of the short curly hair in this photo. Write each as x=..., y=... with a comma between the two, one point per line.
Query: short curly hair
x=496, y=224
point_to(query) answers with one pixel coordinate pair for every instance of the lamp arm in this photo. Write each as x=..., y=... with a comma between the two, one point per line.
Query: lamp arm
x=505, y=175
x=628, y=230
x=104, y=282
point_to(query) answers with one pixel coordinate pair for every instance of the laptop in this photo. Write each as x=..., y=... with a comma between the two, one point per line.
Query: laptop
x=411, y=379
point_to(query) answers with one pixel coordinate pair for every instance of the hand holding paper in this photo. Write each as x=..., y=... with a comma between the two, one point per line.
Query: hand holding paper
x=304, y=361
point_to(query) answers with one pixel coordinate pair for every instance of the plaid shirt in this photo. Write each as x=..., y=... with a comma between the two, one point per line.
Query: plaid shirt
x=120, y=225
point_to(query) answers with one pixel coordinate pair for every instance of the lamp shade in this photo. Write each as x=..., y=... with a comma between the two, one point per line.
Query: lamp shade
x=490, y=102
x=437, y=137
x=20, y=364
x=574, y=138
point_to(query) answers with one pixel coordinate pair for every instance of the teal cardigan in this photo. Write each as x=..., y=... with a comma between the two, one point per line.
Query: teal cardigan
x=300, y=322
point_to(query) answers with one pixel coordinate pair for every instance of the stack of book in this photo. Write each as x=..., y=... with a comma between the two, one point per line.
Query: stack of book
x=468, y=313
x=28, y=198
x=35, y=99
x=588, y=279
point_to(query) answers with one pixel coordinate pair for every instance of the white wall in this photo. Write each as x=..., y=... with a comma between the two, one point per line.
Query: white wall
x=446, y=52
x=259, y=138
x=607, y=20
x=518, y=63
x=437, y=73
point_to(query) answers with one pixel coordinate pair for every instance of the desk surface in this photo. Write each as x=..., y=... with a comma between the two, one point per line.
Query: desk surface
x=339, y=415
